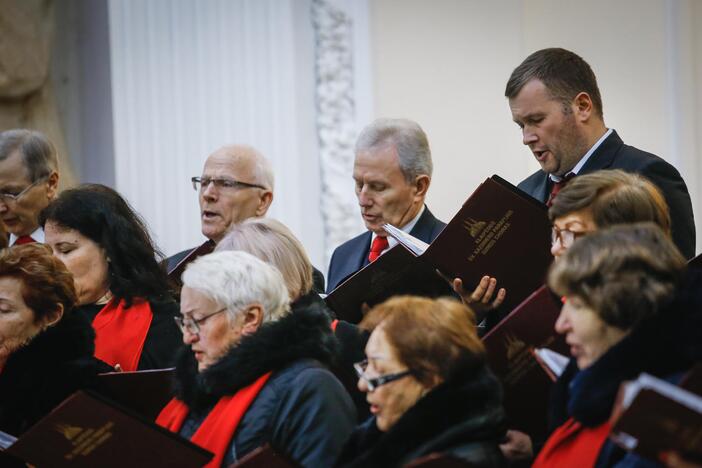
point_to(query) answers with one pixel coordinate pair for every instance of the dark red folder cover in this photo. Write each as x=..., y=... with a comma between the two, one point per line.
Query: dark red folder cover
x=145, y=392
x=500, y=231
x=397, y=271
x=654, y=424
x=509, y=348
x=87, y=430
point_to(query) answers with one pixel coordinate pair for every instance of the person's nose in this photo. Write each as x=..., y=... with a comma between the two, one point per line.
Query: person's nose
x=362, y=385
x=190, y=338
x=557, y=248
x=529, y=136
x=562, y=323
x=209, y=192
x=364, y=199
x=3, y=205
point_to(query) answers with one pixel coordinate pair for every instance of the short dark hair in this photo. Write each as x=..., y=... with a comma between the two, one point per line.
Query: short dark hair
x=564, y=73
x=613, y=197
x=46, y=282
x=626, y=273
x=102, y=215
x=432, y=337
x=38, y=153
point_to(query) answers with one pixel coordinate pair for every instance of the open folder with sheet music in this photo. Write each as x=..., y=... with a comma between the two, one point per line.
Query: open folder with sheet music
x=499, y=231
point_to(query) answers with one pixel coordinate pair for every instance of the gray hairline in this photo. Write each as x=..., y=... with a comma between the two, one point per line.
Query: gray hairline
x=406, y=136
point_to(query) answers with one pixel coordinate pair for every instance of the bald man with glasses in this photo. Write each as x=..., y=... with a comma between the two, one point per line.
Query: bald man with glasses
x=28, y=182
x=236, y=184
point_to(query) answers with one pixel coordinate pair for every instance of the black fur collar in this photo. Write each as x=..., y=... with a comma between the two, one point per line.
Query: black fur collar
x=466, y=409
x=70, y=339
x=305, y=333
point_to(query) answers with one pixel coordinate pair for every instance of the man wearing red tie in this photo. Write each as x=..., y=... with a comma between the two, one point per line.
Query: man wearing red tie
x=554, y=98
x=392, y=171
x=28, y=182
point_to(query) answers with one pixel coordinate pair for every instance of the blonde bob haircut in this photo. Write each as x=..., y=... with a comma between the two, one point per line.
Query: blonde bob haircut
x=272, y=242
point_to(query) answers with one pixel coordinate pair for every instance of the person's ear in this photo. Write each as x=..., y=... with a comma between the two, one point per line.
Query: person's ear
x=252, y=319
x=264, y=203
x=52, y=185
x=53, y=317
x=582, y=106
x=421, y=186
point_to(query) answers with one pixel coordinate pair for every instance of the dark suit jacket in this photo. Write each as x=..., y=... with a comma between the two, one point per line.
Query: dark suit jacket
x=352, y=255
x=614, y=154
x=317, y=276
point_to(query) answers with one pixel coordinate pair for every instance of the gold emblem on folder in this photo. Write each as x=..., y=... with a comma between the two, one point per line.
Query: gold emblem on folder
x=474, y=227
x=514, y=345
x=68, y=431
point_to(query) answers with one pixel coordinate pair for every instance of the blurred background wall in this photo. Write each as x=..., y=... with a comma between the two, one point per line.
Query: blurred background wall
x=146, y=90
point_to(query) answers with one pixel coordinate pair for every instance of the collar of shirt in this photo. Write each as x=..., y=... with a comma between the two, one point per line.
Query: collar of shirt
x=406, y=228
x=584, y=159
x=37, y=235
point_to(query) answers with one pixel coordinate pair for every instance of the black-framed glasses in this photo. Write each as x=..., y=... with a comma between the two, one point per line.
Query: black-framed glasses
x=13, y=197
x=201, y=183
x=565, y=236
x=192, y=325
x=375, y=382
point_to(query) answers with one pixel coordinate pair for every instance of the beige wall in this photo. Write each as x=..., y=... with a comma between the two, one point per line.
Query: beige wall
x=444, y=63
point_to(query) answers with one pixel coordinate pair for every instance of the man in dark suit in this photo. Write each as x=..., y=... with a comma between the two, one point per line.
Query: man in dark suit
x=236, y=184
x=392, y=171
x=555, y=100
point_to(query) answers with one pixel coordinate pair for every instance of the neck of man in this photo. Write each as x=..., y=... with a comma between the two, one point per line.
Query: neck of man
x=594, y=132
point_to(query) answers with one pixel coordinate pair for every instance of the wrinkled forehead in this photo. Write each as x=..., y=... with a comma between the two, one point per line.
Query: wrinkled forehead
x=225, y=164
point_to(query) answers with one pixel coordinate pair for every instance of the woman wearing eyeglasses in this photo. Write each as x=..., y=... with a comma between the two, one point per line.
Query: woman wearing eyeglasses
x=630, y=307
x=428, y=386
x=121, y=288
x=254, y=373
x=586, y=204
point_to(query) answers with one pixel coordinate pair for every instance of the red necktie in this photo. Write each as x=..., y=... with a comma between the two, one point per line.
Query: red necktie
x=24, y=240
x=557, y=186
x=379, y=244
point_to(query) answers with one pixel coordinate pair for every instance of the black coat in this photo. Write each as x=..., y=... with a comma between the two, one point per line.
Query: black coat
x=664, y=346
x=163, y=338
x=39, y=376
x=614, y=154
x=462, y=418
x=302, y=411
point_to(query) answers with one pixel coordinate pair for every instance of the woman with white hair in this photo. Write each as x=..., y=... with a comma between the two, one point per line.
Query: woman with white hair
x=253, y=373
x=271, y=241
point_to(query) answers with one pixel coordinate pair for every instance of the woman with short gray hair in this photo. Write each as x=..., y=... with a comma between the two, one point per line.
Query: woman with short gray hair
x=253, y=373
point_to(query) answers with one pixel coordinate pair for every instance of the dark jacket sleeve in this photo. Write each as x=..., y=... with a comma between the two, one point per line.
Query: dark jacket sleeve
x=163, y=338
x=676, y=194
x=314, y=419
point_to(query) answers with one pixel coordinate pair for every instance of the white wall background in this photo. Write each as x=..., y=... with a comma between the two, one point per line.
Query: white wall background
x=445, y=64
x=189, y=76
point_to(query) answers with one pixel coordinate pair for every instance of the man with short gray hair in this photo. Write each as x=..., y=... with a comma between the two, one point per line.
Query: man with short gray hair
x=392, y=172
x=28, y=182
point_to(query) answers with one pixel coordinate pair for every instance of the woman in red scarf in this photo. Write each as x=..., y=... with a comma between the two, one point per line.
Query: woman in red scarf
x=630, y=308
x=121, y=287
x=255, y=372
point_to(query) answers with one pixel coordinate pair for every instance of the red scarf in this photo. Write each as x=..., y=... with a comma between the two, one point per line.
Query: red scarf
x=120, y=332
x=573, y=444
x=216, y=431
